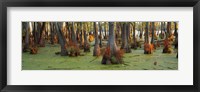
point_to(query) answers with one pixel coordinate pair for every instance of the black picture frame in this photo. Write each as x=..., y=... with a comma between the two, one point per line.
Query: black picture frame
x=100, y=3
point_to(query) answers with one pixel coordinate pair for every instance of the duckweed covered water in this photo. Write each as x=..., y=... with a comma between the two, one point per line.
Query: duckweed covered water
x=46, y=59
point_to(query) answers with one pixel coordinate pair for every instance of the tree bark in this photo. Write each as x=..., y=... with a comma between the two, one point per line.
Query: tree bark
x=105, y=36
x=110, y=58
x=176, y=36
x=35, y=33
x=26, y=27
x=86, y=44
x=161, y=28
x=152, y=28
x=96, y=51
x=125, y=44
x=134, y=45
x=146, y=33
x=62, y=41
x=42, y=35
x=82, y=35
x=168, y=29
x=52, y=32
x=100, y=40
x=73, y=34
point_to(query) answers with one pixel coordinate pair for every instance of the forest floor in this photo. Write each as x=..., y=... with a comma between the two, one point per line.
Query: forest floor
x=46, y=59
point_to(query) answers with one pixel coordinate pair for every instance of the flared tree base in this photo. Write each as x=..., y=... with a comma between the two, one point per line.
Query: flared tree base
x=33, y=50
x=167, y=50
x=86, y=47
x=126, y=49
x=97, y=51
x=148, y=48
x=134, y=46
x=111, y=60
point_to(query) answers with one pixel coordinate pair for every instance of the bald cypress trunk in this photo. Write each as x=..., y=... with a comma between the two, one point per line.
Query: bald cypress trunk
x=100, y=37
x=176, y=35
x=148, y=48
x=168, y=29
x=96, y=51
x=146, y=33
x=26, y=27
x=62, y=41
x=134, y=45
x=105, y=34
x=52, y=32
x=125, y=44
x=35, y=33
x=82, y=36
x=73, y=34
x=161, y=35
x=152, y=28
x=86, y=44
x=109, y=56
x=69, y=31
x=42, y=34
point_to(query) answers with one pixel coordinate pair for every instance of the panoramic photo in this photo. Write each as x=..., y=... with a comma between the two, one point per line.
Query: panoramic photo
x=100, y=45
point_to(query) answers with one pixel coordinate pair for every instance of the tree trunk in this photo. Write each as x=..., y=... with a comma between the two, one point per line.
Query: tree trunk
x=62, y=41
x=73, y=34
x=152, y=28
x=125, y=44
x=161, y=28
x=82, y=36
x=109, y=56
x=176, y=36
x=26, y=46
x=42, y=35
x=105, y=36
x=148, y=48
x=146, y=33
x=141, y=32
x=35, y=33
x=96, y=51
x=52, y=32
x=134, y=45
x=168, y=29
x=100, y=40
x=69, y=31
x=86, y=44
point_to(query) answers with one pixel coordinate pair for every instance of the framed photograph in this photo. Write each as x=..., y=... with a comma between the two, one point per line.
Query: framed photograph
x=74, y=45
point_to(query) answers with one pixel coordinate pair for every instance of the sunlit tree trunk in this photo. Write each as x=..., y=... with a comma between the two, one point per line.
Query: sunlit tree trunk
x=73, y=34
x=82, y=35
x=69, y=31
x=134, y=45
